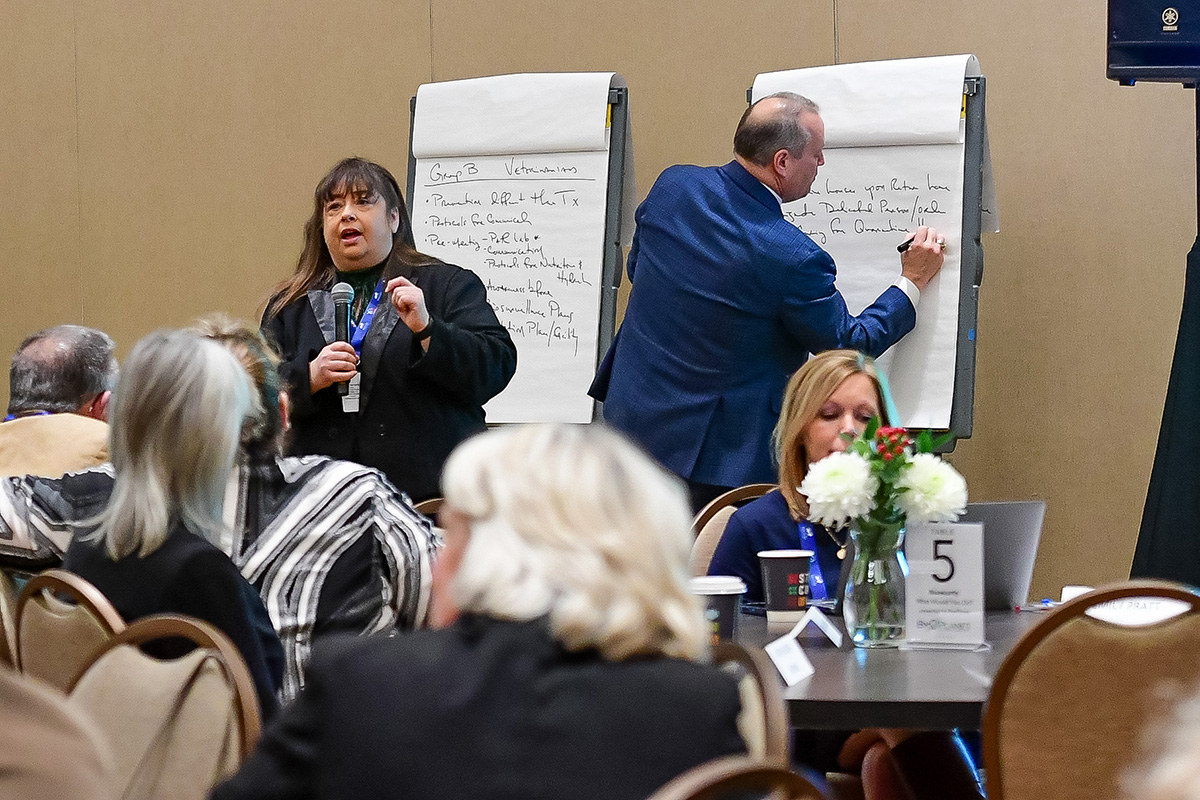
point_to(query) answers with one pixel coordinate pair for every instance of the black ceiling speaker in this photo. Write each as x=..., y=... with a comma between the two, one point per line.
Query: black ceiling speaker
x=1154, y=40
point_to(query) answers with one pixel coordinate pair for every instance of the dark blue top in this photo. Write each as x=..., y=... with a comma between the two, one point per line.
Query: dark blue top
x=766, y=524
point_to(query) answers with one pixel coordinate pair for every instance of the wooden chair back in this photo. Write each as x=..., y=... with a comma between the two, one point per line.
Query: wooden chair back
x=61, y=620
x=1069, y=702
x=430, y=507
x=738, y=776
x=710, y=523
x=763, y=721
x=176, y=726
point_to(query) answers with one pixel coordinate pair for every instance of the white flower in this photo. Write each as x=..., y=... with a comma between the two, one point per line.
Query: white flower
x=839, y=487
x=936, y=492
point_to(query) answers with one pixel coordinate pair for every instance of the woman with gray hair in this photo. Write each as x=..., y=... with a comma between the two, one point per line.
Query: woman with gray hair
x=565, y=662
x=176, y=420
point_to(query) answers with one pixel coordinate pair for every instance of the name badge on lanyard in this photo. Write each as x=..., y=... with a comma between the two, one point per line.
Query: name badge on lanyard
x=358, y=332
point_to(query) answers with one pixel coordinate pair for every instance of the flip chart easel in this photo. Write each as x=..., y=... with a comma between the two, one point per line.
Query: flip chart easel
x=906, y=145
x=539, y=210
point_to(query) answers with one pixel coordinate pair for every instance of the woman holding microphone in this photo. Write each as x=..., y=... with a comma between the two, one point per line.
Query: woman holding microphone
x=426, y=351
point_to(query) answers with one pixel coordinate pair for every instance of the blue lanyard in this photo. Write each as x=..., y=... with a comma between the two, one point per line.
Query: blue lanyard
x=816, y=581
x=359, y=331
x=11, y=417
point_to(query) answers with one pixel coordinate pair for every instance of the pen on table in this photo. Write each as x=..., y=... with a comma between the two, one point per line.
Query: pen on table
x=1045, y=605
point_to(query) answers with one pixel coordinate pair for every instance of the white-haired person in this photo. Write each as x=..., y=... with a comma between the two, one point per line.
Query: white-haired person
x=176, y=421
x=566, y=663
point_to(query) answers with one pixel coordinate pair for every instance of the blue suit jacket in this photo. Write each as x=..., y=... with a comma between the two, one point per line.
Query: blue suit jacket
x=728, y=300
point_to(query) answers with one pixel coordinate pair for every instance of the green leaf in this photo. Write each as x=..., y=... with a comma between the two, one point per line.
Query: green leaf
x=872, y=426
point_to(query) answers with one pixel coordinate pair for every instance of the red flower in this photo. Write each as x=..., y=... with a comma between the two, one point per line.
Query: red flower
x=898, y=438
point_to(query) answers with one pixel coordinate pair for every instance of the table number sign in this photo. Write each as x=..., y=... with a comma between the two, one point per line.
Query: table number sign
x=944, y=595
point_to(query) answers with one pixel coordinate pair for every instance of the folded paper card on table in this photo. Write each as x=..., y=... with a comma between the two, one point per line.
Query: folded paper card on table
x=786, y=653
x=817, y=619
x=945, y=585
x=789, y=659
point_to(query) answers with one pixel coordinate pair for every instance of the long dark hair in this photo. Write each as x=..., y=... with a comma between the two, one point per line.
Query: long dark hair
x=314, y=269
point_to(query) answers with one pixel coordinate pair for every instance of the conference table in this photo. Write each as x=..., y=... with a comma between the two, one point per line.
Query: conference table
x=855, y=688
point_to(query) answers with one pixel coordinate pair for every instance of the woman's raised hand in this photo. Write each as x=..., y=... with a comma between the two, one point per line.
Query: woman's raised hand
x=334, y=364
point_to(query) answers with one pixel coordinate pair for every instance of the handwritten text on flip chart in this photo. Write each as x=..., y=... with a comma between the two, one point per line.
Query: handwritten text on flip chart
x=532, y=228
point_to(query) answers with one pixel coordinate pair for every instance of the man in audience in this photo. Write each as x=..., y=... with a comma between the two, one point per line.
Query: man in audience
x=330, y=545
x=59, y=386
x=729, y=298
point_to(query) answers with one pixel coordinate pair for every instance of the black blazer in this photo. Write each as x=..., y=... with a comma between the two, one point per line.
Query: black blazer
x=415, y=406
x=488, y=709
x=188, y=575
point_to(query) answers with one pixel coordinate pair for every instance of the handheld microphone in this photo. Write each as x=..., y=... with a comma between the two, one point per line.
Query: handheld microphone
x=343, y=296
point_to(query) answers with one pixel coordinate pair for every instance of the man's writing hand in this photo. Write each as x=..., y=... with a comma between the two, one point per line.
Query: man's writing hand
x=923, y=258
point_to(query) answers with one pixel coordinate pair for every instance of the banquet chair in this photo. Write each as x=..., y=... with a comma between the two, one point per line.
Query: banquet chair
x=430, y=507
x=8, y=620
x=763, y=721
x=1071, y=699
x=710, y=523
x=61, y=619
x=738, y=776
x=176, y=726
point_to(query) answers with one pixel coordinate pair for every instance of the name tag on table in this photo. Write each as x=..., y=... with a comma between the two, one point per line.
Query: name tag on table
x=789, y=659
x=944, y=595
x=787, y=654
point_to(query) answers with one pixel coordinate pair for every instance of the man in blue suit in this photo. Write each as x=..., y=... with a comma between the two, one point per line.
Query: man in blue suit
x=728, y=300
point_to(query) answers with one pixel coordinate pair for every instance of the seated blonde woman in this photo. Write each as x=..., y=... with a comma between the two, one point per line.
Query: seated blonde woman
x=565, y=662
x=834, y=395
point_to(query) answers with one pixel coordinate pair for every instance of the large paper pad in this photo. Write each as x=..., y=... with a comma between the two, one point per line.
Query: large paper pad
x=894, y=160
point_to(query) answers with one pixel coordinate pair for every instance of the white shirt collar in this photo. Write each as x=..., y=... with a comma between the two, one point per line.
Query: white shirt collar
x=774, y=194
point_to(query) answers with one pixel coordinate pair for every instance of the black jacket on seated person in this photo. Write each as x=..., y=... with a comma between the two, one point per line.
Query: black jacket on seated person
x=188, y=575
x=488, y=709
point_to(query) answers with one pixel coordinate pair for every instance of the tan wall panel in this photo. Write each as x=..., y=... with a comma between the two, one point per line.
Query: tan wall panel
x=1082, y=288
x=688, y=64
x=203, y=131
x=39, y=193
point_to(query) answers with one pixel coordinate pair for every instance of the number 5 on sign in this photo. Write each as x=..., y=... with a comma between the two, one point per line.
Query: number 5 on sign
x=945, y=584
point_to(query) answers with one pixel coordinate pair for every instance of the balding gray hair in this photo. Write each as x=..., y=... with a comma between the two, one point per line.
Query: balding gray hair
x=760, y=136
x=60, y=369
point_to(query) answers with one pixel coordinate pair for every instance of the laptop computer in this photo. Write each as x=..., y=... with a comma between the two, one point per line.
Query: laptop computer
x=1011, y=531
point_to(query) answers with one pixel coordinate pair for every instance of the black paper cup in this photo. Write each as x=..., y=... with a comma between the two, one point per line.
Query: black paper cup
x=785, y=584
x=722, y=596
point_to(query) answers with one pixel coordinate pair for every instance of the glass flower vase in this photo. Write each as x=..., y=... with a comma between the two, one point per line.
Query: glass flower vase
x=873, y=605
